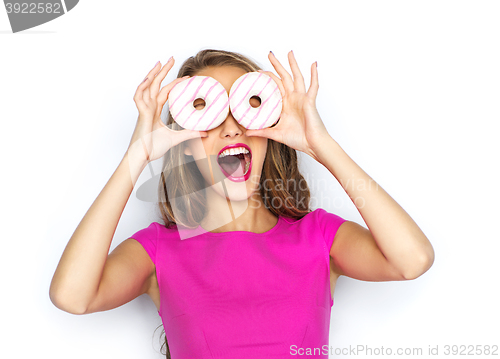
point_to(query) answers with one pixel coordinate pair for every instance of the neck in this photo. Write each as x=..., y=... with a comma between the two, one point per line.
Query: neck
x=248, y=215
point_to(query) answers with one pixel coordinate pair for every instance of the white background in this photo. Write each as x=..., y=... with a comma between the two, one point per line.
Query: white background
x=409, y=89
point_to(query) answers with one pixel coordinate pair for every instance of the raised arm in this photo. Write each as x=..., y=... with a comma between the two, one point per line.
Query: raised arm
x=78, y=275
x=86, y=278
x=393, y=247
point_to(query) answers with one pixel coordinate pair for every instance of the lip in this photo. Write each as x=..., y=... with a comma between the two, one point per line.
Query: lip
x=231, y=178
x=233, y=146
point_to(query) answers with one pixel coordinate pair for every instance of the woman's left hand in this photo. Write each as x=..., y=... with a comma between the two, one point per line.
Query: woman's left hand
x=300, y=125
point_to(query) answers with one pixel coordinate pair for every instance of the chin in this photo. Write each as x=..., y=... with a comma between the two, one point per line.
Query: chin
x=238, y=191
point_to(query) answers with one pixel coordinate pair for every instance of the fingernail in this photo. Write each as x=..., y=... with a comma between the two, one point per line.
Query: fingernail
x=144, y=80
x=316, y=63
x=271, y=52
x=156, y=64
x=170, y=58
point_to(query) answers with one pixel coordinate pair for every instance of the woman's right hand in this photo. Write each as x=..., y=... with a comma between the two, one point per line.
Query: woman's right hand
x=152, y=138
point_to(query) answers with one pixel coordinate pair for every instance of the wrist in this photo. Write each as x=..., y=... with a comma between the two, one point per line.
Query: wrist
x=320, y=145
x=138, y=153
x=136, y=160
x=133, y=166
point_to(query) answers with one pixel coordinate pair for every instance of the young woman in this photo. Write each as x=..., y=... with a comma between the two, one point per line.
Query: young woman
x=240, y=268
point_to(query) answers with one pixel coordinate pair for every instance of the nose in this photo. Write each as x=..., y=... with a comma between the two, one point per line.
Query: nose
x=230, y=127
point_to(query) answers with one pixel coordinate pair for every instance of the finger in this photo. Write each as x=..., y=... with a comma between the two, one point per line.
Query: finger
x=313, y=89
x=154, y=70
x=147, y=91
x=139, y=93
x=264, y=132
x=285, y=76
x=184, y=135
x=146, y=94
x=140, y=88
x=298, y=79
x=150, y=77
x=155, y=86
x=277, y=80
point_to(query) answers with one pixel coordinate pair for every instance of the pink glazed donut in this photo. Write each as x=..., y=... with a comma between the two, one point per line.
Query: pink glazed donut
x=255, y=84
x=182, y=96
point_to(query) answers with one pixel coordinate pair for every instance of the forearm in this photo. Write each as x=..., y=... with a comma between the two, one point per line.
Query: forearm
x=398, y=237
x=78, y=274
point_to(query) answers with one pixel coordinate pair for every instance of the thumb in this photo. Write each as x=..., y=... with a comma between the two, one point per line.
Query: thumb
x=185, y=135
x=264, y=132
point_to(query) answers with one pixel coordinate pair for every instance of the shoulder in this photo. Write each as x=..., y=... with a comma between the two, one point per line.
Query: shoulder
x=154, y=231
x=318, y=223
x=323, y=216
x=148, y=232
x=319, y=219
x=316, y=216
x=328, y=224
x=148, y=238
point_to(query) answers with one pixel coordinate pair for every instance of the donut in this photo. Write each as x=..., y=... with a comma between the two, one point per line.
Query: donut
x=183, y=95
x=255, y=84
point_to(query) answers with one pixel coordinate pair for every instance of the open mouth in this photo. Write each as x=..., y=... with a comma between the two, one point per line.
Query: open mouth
x=235, y=162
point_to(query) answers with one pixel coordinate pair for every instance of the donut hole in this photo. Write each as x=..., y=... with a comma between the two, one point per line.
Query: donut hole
x=199, y=104
x=255, y=101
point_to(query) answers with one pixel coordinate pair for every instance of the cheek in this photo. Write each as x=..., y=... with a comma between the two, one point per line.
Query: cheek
x=205, y=161
x=263, y=150
x=196, y=148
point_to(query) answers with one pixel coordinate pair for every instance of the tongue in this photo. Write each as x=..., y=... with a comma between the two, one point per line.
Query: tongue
x=233, y=165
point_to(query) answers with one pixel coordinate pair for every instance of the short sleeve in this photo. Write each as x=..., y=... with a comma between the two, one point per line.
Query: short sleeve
x=148, y=237
x=329, y=224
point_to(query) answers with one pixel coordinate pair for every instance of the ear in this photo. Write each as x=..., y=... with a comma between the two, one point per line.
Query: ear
x=187, y=151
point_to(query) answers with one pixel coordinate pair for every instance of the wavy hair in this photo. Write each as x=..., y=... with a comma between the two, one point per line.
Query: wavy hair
x=280, y=182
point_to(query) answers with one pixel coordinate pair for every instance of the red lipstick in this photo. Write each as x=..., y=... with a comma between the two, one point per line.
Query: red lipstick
x=231, y=178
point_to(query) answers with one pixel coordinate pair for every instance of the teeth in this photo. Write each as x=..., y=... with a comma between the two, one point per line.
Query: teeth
x=233, y=151
x=247, y=165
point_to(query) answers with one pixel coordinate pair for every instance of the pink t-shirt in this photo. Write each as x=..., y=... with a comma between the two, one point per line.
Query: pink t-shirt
x=245, y=295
